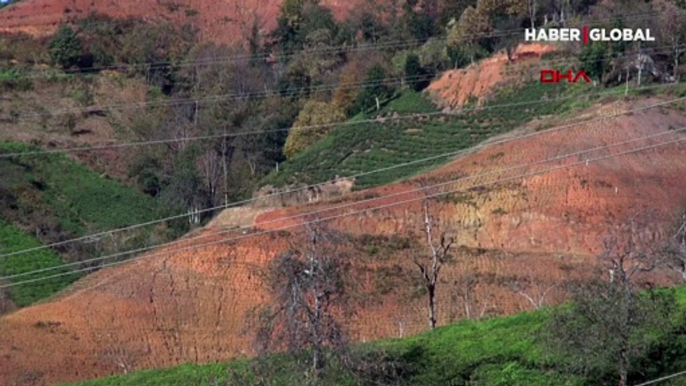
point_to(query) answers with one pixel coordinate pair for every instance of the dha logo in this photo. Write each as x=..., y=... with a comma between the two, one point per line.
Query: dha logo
x=585, y=35
x=554, y=76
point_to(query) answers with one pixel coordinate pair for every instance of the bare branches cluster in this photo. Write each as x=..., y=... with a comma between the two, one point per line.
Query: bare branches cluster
x=439, y=244
x=311, y=294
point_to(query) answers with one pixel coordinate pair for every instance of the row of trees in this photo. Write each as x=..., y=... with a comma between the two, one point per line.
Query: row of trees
x=613, y=322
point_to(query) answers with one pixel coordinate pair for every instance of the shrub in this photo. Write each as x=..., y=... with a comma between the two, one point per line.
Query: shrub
x=302, y=134
x=414, y=72
x=65, y=47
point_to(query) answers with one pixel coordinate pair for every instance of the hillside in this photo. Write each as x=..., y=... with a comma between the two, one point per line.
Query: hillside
x=61, y=112
x=413, y=126
x=227, y=21
x=189, y=306
x=501, y=351
x=51, y=198
x=118, y=114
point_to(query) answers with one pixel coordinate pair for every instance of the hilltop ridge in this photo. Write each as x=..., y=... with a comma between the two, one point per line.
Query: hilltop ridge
x=223, y=22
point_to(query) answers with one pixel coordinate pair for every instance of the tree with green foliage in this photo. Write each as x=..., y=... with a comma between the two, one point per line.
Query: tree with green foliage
x=466, y=37
x=418, y=24
x=506, y=40
x=299, y=18
x=611, y=323
x=453, y=9
x=314, y=122
x=592, y=59
x=414, y=72
x=352, y=74
x=433, y=56
x=376, y=89
x=65, y=47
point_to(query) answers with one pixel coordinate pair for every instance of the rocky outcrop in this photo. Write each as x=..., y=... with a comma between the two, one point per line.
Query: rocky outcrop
x=290, y=195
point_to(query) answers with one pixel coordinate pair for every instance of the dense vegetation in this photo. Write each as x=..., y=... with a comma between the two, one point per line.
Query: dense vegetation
x=501, y=351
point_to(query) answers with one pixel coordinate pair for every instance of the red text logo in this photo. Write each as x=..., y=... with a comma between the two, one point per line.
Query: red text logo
x=555, y=76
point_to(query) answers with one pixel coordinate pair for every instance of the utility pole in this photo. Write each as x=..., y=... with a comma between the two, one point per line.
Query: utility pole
x=225, y=169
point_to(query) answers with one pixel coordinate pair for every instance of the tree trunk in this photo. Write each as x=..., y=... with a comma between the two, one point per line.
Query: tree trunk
x=432, y=305
x=623, y=368
x=676, y=64
x=225, y=170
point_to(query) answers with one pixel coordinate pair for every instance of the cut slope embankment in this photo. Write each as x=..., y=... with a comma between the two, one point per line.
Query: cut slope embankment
x=190, y=306
x=477, y=82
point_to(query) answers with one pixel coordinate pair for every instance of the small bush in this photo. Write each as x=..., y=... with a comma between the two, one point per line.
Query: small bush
x=65, y=47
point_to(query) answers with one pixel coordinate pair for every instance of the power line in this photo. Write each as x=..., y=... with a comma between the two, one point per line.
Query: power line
x=360, y=47
x=31, y=115
x=217, y=98
x=334, y=124
x=654, y=381
x=480, y=146
x=587, y=161
x=384, y=197
x=26, y=116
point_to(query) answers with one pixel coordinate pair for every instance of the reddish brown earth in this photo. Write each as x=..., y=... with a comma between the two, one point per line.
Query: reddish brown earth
x=454, y=88
x=225, y=21
x=190, y=306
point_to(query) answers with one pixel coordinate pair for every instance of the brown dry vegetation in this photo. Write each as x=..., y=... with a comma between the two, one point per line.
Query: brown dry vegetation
x=72, y=122
x=190, y=306
x=228, y=21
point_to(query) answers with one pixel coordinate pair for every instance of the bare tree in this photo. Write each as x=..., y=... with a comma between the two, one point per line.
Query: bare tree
x=532, y=7
x=309, y=292
x=606, y=329
x=6, y=304
x=119, y=355
x=430, y=264
x=464, y=290
x=534, y=291
x=675, y=252
x=672, y=28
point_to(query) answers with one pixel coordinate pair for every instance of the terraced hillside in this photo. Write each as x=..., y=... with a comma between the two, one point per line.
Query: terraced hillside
x=414, y=126
x=188, y=306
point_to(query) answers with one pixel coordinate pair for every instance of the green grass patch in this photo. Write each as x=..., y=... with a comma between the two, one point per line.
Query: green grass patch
x=81, y=200
x=13, y=239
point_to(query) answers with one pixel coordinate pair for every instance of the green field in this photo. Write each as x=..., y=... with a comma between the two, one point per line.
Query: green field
x=358, y=148
x=13, y=239
x=496, y=352
x=55, y=199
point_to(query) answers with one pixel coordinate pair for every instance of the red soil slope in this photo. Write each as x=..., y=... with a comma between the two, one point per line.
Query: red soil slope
x=189, y=306
x=225, y=21
x=454, y=88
